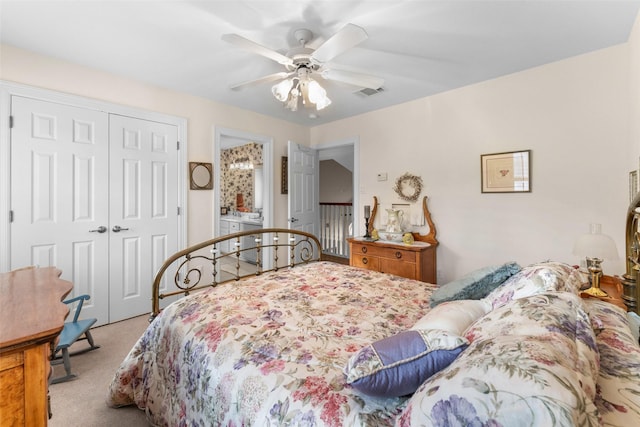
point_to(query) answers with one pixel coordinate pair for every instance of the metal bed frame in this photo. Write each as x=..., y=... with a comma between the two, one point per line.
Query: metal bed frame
x=284, y=248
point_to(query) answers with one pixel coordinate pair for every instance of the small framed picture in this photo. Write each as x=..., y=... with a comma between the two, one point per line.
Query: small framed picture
x=508, y=172
x=224, y=210
x=201, y=176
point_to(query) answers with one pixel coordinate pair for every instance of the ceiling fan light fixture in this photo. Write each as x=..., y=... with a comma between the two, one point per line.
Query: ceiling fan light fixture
x=281, y=90
x=323, y=103
x=316, y=92
x=317, y=95
x=304, y=91
x=290, y=90
x=292, y=102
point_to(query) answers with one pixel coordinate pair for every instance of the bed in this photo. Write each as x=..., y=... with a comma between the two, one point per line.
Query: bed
x=306, y=342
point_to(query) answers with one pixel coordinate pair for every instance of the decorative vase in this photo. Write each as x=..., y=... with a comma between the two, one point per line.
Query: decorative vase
x=394, y=221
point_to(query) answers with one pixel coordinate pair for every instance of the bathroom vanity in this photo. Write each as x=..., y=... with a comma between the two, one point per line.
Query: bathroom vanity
x=230, y=224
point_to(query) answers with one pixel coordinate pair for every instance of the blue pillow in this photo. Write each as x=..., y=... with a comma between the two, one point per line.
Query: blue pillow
x=398, y=365
x=475, y=285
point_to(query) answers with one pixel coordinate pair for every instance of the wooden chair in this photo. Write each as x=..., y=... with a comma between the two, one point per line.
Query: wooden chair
x=71, y=333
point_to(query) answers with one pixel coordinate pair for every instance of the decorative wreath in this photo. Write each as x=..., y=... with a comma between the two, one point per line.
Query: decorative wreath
x=408, y=187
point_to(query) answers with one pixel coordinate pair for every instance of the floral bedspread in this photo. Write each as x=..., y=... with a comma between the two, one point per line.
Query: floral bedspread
x=618, y=388
x=531, y=362
x=269, y=351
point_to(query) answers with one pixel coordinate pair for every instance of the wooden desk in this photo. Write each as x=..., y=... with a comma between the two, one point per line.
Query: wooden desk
x=613, y=287
x=31, y=317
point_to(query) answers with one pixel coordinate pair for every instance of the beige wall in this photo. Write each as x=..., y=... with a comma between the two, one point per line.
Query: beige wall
x=335, y=183
x=24, y=67
x=573, y=115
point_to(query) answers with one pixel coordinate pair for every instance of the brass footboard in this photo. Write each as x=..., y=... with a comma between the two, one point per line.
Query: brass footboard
x=631, y=290
x=249, y=253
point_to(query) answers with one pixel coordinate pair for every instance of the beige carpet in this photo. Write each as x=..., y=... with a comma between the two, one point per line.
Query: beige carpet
x=81, y=401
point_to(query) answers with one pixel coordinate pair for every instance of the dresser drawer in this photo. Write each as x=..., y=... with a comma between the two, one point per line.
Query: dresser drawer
x=400, y=255
x=384, y=252
x=365, y=261
x=403, y=269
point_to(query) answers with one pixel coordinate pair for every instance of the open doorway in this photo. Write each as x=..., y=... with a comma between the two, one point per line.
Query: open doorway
x=243, y=178
x=339, y=171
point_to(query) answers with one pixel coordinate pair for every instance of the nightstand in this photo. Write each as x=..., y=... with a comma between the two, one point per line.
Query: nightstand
x=613, y=287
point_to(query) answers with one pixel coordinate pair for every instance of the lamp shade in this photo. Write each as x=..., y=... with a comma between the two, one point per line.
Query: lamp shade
x=281, y=90
x=595, y=245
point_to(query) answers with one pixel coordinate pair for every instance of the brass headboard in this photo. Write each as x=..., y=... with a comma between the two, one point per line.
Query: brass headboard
x=631, y=290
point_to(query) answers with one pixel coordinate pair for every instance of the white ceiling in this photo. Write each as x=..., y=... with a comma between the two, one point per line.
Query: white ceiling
x=419, y=47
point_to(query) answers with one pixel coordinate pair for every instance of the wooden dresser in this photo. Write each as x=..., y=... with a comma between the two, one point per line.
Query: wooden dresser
x=31, y=318
x=416, y=261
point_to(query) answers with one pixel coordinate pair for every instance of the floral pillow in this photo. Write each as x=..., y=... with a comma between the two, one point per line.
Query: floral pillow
x=618, y=387
x=397, y=365
x=536, y=279
x=453, y=316
x=530, y=363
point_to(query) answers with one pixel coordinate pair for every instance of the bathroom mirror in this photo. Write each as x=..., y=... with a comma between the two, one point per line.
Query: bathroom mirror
x=201, y=176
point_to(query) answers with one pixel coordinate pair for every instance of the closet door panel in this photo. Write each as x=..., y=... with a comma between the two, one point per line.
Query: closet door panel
x=59, y=188
x=144, y=222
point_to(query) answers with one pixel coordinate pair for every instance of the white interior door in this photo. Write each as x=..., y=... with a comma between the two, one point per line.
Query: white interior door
x=143, y=209
x=59, y=180
x=96, y=195
x=304, y=188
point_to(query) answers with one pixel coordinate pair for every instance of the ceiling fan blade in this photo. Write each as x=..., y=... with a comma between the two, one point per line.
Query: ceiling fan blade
x=349, y=36
x=354, y=79
x=254, y=47
x=266, y=79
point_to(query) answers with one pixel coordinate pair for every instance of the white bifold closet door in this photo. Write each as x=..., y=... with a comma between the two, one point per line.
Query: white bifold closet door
x=94, y=194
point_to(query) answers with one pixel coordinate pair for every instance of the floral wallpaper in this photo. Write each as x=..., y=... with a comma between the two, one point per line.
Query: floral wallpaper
x=238, y=181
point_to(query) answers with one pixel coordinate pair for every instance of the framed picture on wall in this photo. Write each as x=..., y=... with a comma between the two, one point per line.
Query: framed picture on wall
x=200, y=176
x=508, y=172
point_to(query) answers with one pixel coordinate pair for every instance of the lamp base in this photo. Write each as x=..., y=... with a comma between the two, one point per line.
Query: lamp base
x=593, y=265
x=595, y=292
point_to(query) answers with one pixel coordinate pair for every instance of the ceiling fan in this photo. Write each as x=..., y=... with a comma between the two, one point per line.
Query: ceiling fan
x=303, y=63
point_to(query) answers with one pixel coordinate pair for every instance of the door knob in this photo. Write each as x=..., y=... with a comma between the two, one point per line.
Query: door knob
x=100, y=229
x=117, y=229
x=293, y=219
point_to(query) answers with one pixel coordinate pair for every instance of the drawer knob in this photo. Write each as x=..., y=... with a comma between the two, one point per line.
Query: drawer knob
x=365, y=261
x=398, y=255
x=364, y=249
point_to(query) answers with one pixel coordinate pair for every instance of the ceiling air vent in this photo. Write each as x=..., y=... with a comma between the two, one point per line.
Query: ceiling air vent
x=368, y=92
